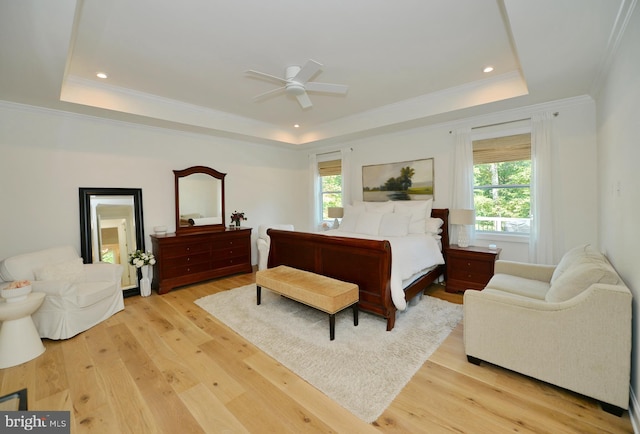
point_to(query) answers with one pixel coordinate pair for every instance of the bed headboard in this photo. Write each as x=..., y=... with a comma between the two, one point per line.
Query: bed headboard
x=443, y=213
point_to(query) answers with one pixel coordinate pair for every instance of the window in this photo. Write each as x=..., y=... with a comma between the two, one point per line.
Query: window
x=502, y=184
x=330, y=185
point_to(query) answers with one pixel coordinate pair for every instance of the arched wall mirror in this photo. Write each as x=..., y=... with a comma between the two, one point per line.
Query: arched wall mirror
x=111, y=227
x=199, y=199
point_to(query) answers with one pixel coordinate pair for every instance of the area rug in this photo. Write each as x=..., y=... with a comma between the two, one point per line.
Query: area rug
x=364, y=368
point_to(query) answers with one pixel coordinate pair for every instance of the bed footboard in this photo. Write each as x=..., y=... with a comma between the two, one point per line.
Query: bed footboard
x=367, y=263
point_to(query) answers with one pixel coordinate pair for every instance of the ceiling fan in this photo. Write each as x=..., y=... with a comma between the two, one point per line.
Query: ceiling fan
x=296, y=83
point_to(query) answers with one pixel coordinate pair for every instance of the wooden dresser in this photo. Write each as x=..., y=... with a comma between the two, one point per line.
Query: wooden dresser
x=469, y=267
x=183, y=259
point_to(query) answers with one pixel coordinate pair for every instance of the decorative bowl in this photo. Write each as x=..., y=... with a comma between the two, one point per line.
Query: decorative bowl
x=160, y=230
x=15, y=295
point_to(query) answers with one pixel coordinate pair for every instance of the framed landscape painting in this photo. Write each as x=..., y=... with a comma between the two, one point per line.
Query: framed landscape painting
x=406, y=180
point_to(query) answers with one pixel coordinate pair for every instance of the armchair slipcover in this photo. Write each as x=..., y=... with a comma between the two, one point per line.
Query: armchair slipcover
x=264, y=242
x=77, y=296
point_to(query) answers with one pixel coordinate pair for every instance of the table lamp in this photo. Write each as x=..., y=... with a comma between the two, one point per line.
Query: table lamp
x=335, y=212
x=463, y=218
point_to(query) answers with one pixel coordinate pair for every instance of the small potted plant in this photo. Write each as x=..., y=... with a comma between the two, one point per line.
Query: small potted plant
x=236, y=217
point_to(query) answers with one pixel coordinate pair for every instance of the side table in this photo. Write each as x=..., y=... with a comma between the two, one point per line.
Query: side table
x=469, y=267
x=19, y=338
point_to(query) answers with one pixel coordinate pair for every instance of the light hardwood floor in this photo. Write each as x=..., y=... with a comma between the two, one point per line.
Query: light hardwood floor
x=163, y=365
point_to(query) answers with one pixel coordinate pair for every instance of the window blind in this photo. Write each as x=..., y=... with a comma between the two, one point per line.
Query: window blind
x=330, y=168
x=500, y=149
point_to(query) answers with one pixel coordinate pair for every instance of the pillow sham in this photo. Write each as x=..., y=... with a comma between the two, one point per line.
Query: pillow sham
x=379, y=207
x=419, y=210
x=394, y=225
x=368, y=223
x=350, y=218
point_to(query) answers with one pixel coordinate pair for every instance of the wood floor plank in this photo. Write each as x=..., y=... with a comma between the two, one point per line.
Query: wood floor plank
x=164, y=365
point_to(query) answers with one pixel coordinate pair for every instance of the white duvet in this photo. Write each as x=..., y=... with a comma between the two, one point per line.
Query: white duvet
x=409, y=255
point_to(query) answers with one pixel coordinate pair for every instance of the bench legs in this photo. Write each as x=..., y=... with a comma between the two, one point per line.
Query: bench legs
x=332, y=316
x=332, y=321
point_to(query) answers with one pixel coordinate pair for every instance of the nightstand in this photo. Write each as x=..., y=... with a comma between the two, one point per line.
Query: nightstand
x=469, y=267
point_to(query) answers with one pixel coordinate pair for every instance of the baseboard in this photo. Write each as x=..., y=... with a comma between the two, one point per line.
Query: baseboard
x=634, y=411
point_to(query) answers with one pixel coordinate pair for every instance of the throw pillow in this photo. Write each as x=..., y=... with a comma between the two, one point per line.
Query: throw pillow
x=572, y=256
x=434, y=225
x=72, y=271
x=578, y=278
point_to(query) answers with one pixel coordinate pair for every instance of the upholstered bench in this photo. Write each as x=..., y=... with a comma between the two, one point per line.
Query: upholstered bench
x=320, y=292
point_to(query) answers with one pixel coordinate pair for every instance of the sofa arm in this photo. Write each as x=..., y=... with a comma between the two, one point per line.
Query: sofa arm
x=582, y=344
x=528, y=271
x=103, y=271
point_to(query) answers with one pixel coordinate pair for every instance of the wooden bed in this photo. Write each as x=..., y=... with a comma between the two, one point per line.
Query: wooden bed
x=366, y=263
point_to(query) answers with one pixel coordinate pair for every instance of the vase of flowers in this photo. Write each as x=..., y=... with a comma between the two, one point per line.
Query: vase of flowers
x=143, y=260
x=236, y=217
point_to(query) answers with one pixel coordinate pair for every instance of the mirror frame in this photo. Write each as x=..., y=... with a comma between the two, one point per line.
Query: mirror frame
x=207, y=171
x=86, y=218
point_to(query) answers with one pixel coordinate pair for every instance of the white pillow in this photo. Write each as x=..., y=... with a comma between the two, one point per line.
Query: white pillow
x=72, y=271
x=394, y=225
x=368, y=223
x=350, y=218
x=419, y=210
x=434, y=225
x=379, y=207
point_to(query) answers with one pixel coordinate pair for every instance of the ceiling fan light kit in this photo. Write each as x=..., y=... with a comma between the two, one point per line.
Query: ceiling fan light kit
x=296, y=83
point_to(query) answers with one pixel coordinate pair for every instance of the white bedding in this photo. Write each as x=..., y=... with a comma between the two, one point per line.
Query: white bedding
x=409, y=255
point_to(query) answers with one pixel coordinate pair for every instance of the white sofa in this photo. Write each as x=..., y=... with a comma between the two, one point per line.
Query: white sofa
x=264, y=242
x=78, y=296
x=568, y=325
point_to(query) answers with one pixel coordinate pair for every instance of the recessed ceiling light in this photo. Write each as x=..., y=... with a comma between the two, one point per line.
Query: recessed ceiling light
x=488, y=69
x=101, y=75
x=296, y=126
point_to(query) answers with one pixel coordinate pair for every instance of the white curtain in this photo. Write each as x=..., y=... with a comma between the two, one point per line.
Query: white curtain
x=346, y=176
x=541, y=235
x=462, y=195
x=314, y=186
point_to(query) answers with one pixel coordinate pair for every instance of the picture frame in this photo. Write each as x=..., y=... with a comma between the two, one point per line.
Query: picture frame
x=405, y=180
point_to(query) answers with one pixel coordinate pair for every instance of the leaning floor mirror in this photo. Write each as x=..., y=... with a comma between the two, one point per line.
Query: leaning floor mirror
x=111, y=227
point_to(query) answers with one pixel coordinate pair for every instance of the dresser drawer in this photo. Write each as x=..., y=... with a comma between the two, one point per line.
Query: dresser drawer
x=186, y=249
x=186, y=269
x=191, y=259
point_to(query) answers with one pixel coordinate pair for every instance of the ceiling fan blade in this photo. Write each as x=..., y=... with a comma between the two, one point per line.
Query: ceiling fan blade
x=326, y=87
x=268, y=93
x=304, y=100
x=308, y=70
x=259, y=74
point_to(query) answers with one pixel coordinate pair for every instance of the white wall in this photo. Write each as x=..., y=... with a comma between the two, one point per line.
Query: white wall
x=45, y=156
x=618, y=118
x=574, y=168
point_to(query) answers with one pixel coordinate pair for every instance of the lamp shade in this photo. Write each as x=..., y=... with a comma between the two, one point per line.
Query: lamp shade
x=462, y=216
x=335, y=212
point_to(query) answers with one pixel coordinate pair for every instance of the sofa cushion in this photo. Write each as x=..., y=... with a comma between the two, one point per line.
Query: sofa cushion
x=92, y=292
x=578, y=278
x=519, y=285
x=583, y=253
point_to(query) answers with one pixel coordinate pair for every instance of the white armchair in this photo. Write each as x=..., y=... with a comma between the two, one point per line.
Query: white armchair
x=264, y=242
x=77, y=296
